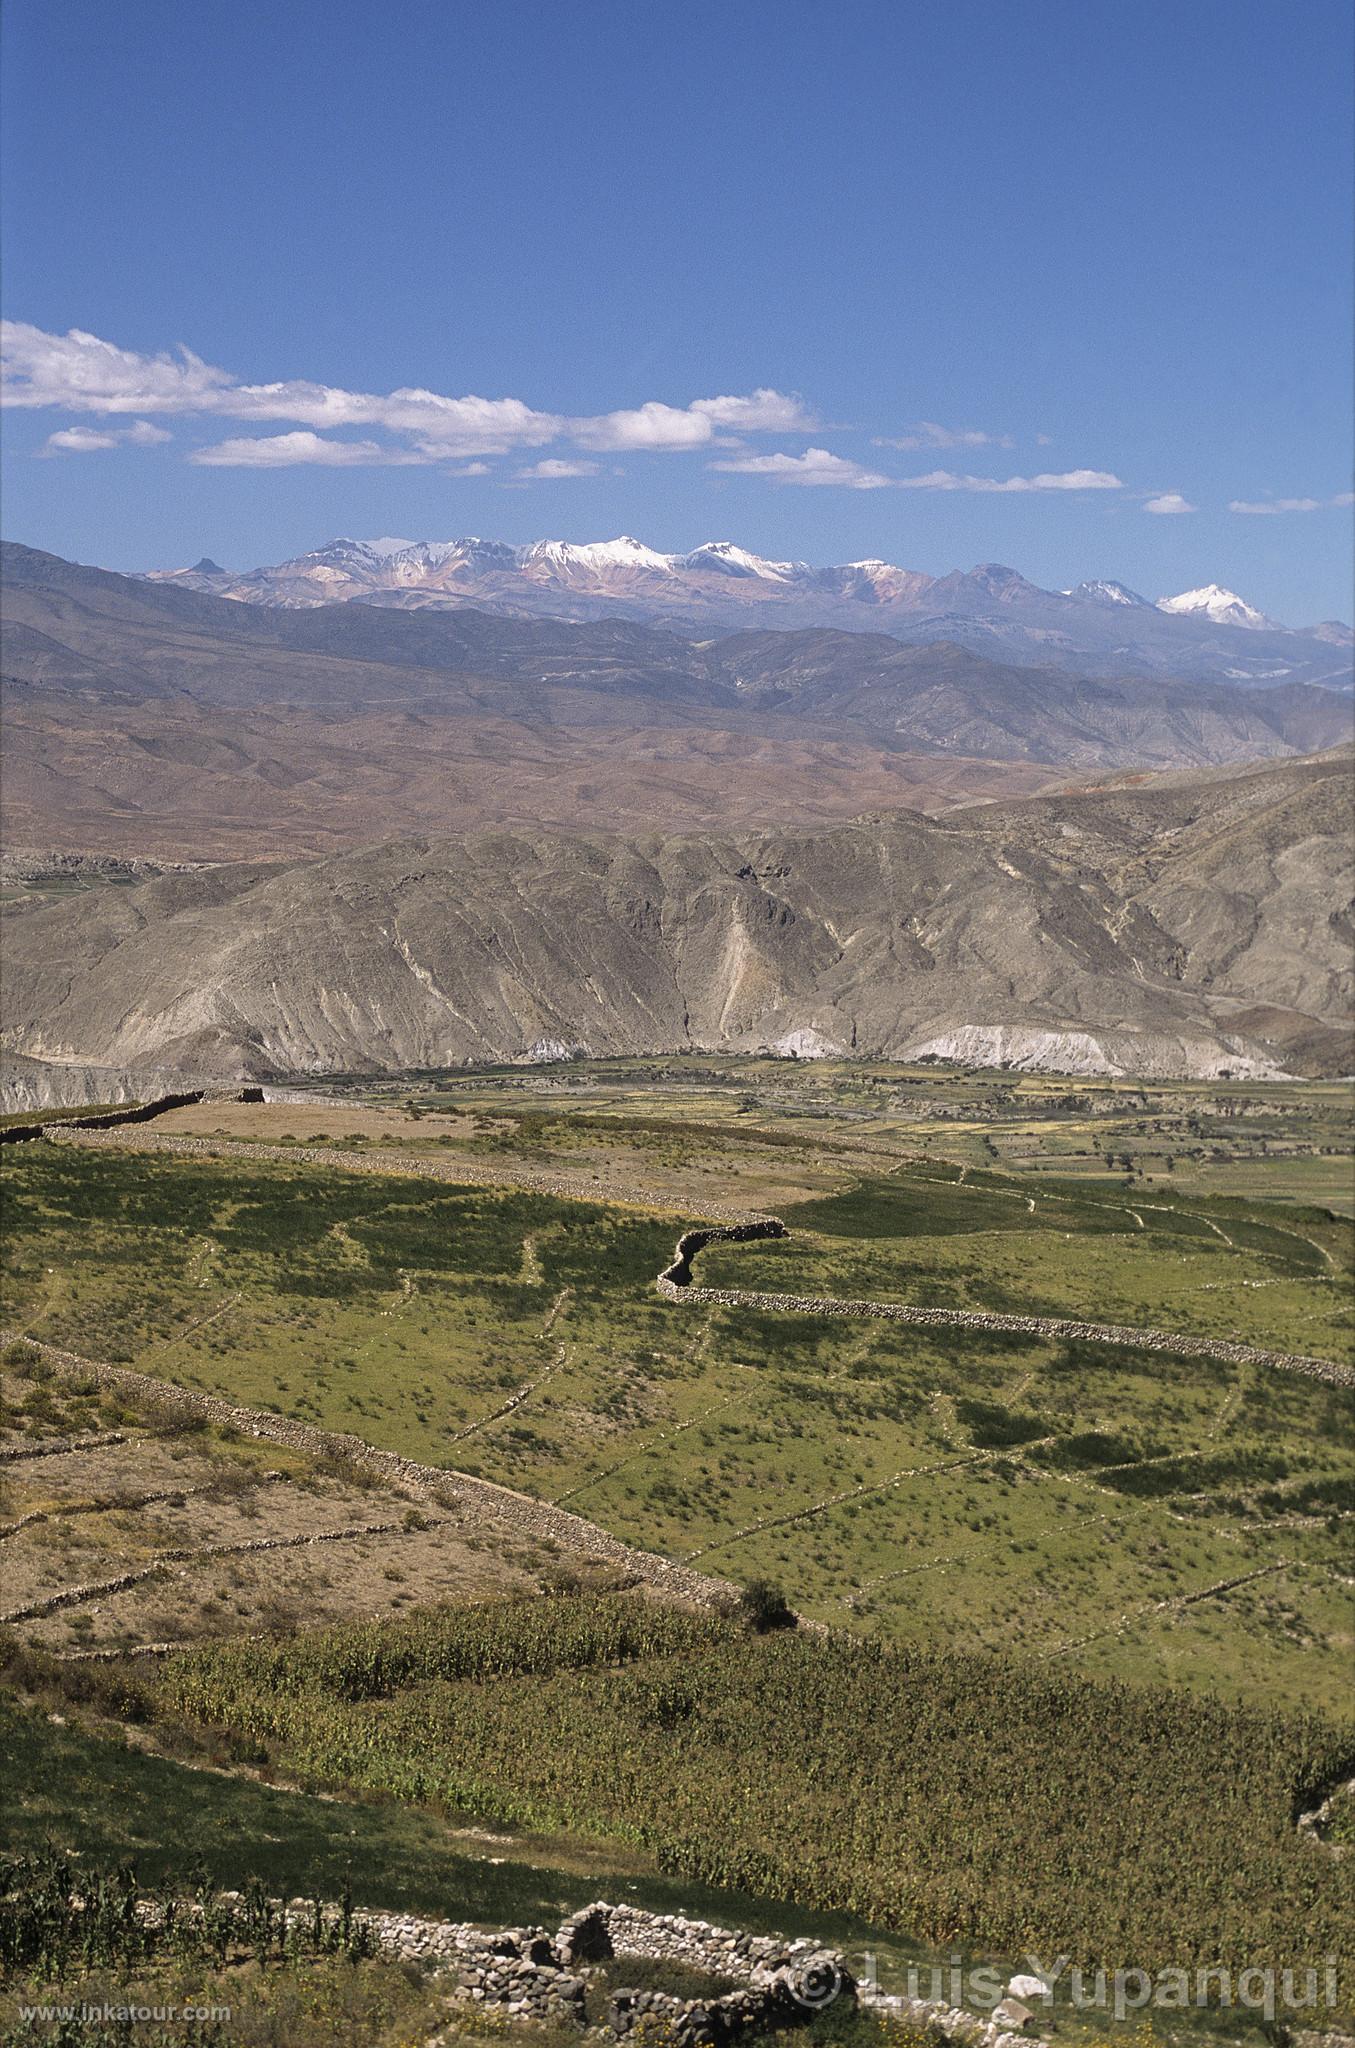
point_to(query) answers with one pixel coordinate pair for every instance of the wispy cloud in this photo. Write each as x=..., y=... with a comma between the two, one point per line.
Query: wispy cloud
x=553, y=468
x=1167, y=503
x=1061, y=480
x=410, y=426
x=821, y=466
x=81, y=373
x=815, y=466
x=928, y=434
x=285, y=451
x=89, y=440
x=1265, y=507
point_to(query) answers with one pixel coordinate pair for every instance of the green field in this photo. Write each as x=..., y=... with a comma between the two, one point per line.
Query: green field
x=912, y=1786
x=1080, y=1613
x=999, y=1492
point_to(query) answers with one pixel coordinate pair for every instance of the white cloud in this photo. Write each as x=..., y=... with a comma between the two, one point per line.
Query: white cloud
x=819, y=466
x=284, y=451
x=1166, y=503
x=1267, y=506
x=762, y=412
x=78, y=441
x=815, y=466
x=88, y=440
x=552, y=468
x=647, y=426
x=82, y=373
x=1064, y=480
x=927, y=434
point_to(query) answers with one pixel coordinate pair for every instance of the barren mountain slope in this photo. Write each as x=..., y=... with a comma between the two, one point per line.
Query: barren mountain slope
x=1177, y=930
x=151, y=720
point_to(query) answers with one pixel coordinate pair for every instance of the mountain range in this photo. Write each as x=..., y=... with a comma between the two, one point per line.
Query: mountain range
x=1098, y=628
x=1203, y=927
x=429, y=835
x=145, y=719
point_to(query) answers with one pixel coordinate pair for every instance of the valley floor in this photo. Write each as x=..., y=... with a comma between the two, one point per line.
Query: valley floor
x=985, y=1530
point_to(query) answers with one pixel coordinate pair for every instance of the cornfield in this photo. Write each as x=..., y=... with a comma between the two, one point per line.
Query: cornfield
x=963, y=1798
x=56, y=1918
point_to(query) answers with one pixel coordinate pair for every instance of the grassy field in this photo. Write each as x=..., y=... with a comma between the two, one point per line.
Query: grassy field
x=991, y=1525
x=1000, y=1492
x=1278, y=1141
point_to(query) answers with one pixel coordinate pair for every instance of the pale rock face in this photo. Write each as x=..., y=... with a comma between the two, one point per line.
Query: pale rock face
x=805, y=1043
x=547, y=1051
x=1110, y=1051
x=989, y=937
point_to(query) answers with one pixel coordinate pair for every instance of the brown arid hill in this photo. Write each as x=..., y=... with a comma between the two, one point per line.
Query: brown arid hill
x=149, y=720
x=1199, y=928
x=178, y=781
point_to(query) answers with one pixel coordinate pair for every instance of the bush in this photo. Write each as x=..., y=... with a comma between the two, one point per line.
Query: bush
x=763, y=1607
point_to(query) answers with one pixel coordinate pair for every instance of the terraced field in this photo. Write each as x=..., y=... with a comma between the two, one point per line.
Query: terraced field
x=1113, y=1509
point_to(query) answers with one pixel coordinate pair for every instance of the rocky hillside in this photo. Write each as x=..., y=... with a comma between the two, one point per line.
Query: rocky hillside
x=1196, y=928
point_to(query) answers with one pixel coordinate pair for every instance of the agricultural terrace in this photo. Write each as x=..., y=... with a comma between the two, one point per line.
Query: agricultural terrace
x=1099, y=1508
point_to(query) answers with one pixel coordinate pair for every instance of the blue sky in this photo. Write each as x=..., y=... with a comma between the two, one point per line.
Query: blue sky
x=1097, y=256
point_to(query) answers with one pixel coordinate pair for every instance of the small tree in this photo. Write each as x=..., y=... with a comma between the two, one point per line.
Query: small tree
x=764, y=1607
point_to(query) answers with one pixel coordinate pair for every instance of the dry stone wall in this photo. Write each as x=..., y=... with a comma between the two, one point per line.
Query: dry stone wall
x=519, y=1513
x=527, y=1974
x=675, y=1283
x=138, y=1113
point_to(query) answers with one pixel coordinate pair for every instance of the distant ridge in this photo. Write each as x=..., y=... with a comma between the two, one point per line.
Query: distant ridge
x=1099, y=627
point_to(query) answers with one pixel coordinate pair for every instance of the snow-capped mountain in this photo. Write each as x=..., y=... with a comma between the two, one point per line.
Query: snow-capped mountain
x=1102, y=592
x=1099, y=628
x=1224, y=607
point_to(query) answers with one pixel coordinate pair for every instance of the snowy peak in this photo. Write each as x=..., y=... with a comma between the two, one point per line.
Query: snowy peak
x=726, y=558
x=622, y=553
x=1100, y=628
x=583, y=563
x=1103, y=592
x=1211, y=601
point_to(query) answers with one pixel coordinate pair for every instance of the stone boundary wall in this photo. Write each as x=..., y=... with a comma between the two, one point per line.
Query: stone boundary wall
x=678, y=1276
x=165, y=1560
x=674, y=1283
x=139, y=1113
x=527, y=1973
x=519, y=1513
x=61, y=1446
